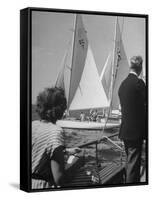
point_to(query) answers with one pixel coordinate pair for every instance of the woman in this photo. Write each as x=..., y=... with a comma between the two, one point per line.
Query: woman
x=48, y=140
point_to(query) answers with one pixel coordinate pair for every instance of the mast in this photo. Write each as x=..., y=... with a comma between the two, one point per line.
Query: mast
x=78, y=58
x=117, y=56
x=113, y=62
x=121, y=65
x=73, y=42
x=113, y=72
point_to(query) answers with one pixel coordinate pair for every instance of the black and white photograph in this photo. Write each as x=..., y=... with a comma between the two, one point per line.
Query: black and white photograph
x=87, y=99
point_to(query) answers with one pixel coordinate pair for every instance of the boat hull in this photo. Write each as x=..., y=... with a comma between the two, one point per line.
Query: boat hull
x=86, y=125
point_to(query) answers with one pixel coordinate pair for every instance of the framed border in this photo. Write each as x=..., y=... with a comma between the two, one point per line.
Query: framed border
x=26, y=93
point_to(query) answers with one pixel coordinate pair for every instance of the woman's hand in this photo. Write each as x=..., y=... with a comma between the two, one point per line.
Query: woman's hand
x=73, y=150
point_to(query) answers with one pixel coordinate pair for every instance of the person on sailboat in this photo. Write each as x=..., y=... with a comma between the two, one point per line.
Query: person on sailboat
x=82, y=116
x=48, y=147
x=132, y=95
x=94, y=115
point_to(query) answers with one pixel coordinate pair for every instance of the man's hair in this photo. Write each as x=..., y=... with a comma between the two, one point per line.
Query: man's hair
x=51, y=104
x=136, y=64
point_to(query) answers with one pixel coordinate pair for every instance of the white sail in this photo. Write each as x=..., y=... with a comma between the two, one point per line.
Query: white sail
x=89, y=93
x=106, y=77
x=63, y=79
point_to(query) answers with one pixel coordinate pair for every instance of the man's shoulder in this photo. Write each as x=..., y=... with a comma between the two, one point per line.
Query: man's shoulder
x=141, y=84
x=125, y=81
x=131, y=79
x=129, y=82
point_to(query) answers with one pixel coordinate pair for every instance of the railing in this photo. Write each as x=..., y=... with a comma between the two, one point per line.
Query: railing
x=102, y=139
x=97, y=141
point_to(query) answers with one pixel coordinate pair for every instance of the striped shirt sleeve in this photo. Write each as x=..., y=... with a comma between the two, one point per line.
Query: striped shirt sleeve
x=55, y=140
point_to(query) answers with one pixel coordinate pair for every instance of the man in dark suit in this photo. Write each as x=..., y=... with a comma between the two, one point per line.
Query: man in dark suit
x=132, y=97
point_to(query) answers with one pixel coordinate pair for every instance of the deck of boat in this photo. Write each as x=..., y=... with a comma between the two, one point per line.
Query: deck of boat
x=113, y=173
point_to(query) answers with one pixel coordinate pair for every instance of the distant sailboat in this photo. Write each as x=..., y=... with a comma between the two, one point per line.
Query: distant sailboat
x=115, y=69
x=79, y=77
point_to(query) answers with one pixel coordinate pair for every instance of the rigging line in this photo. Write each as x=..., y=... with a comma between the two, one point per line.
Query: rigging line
x=112, y=142
x=80, y=89
x=122, y=28
x=68, y=67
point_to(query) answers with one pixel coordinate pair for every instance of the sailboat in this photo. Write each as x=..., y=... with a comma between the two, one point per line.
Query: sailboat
x=80, y=80
x=115, y=70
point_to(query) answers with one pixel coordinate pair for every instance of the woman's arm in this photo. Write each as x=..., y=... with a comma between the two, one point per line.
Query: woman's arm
x=57, y=165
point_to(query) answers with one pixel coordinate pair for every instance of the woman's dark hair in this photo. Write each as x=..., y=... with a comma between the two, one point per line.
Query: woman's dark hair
x=51, y=104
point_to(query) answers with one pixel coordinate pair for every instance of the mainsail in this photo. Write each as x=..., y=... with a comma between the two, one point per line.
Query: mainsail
x=63, y=79
x=89, y=93
x=115, y=69
x=79, y=75
x=80, y=48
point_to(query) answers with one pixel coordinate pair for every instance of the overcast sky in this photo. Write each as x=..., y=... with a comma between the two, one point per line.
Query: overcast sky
x=51, y=33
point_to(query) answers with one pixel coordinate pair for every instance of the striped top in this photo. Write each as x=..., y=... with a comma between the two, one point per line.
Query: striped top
x=46, y=137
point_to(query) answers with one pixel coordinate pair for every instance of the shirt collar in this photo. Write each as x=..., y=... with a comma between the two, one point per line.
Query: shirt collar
x=133, y=73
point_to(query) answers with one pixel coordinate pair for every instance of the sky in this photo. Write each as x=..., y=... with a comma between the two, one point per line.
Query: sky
x=52, y=32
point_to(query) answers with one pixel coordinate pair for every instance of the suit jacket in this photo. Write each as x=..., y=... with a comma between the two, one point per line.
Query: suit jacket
x=132, y=95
